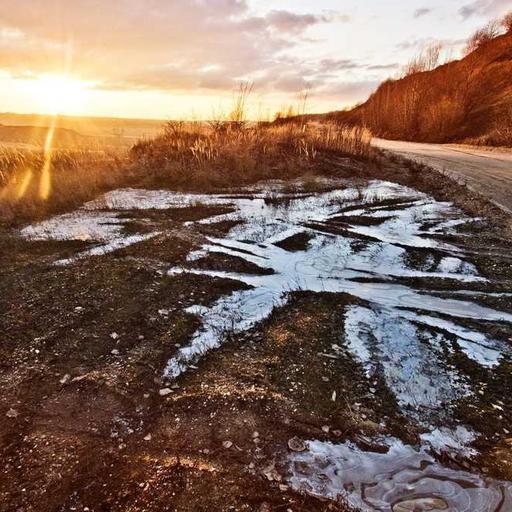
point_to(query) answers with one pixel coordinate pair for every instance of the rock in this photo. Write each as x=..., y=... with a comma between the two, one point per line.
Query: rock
x=333, y=396
x=421, y=505
x=270, y=472
x=79, y=308
x=114, y=335
x=296, y=444
x=164, y=391
x=12, y=413
x=227, y=444
x=147, y=438
x=114, y=352
x=255, y=435
x=325, y=429
x=65, y=379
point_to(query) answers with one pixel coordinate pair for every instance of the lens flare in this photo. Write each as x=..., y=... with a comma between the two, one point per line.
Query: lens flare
x=24, y=183
x=45, y=183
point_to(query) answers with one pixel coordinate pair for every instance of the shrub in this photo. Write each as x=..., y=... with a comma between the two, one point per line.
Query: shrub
x=197, y=155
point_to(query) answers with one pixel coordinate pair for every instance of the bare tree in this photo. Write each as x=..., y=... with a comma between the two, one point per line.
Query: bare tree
x=507, y=22
x=426, y=60
x=482, y=36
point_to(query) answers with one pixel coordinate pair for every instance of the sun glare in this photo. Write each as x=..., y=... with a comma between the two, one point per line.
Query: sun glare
x=60, y=94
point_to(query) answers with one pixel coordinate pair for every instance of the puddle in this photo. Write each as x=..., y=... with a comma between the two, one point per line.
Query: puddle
x=399, y=478
x=360, y=241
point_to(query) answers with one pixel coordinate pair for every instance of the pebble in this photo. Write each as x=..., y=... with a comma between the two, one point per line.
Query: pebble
x=227, y=444
x=114, y=335
x=164, y=391
x=12, y=413
x=296, y=444
x=114, y=352
x=420, y=505
x=147, y=438
x=65, y=379
x=325, y=429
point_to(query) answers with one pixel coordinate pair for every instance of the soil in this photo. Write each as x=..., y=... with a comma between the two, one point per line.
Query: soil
x=88, y=423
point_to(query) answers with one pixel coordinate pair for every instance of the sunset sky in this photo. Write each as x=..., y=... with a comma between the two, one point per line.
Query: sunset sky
x=183, y=58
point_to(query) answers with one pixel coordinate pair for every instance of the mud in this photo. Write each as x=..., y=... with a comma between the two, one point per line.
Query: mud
x=160, y=349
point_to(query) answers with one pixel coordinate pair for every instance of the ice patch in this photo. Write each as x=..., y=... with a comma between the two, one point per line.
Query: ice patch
x=402, y=333
x=397, y=477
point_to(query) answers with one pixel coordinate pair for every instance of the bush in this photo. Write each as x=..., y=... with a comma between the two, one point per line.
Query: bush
x=205, y=156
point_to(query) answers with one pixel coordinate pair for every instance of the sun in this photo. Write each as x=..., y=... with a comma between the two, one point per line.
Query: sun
x=58, y=94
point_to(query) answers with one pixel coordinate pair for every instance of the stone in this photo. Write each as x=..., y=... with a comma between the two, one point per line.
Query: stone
x=296, y=444
x=65, y=379
x=421, y=505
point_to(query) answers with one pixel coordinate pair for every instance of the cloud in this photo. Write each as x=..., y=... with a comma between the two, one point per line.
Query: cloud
x=484, y=8
x=176, y=45
x=383, y=67
x=349, y=92
x=292, y=23
x=423, y=11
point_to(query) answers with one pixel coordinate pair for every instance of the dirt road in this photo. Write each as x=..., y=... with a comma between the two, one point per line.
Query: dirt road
x=486, y=172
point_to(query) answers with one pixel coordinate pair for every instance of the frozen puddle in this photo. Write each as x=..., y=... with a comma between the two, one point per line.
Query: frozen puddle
x=397, y=478
x=365, y=242
x=362, y=241
x=400, y=333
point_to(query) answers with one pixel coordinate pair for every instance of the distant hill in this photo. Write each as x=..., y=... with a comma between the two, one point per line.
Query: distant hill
x=466, y=100
x=36, y=136
x=31, y=130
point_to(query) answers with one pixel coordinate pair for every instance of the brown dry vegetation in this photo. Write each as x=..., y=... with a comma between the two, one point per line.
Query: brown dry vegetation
x=197, y=156
x=467, y=100
x=190, y=156
x=76, y=176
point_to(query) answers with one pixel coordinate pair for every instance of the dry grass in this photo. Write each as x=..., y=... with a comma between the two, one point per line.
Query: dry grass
x=191, y=156
x=464, y=100
x=200, y=156
x=75, y=177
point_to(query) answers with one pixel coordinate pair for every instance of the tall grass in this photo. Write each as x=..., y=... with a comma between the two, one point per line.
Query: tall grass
x=192, y=155
x=76, y=176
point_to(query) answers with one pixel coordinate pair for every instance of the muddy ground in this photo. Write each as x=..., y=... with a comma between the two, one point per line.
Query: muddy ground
x=88, y=423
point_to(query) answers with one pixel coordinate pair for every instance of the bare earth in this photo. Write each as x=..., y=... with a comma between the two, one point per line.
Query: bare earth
x=486, y=172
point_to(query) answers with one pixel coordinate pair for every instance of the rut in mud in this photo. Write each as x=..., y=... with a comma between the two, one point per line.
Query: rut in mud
x=416, y=323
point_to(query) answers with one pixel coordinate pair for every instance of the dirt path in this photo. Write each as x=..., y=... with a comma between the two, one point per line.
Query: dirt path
x=486, y=172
